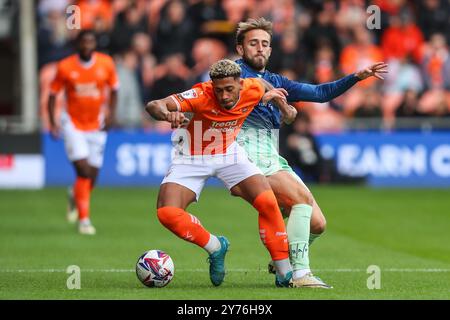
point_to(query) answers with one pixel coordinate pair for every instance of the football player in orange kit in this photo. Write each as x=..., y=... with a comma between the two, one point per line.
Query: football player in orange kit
x=86, y=77
x=208, y=148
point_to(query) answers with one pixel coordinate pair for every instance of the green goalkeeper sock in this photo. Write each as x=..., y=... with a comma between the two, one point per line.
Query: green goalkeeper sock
x=313, y=237
x=298, y=227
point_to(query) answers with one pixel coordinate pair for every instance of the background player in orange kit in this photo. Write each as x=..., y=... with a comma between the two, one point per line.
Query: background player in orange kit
x=86, y=77
x=207, y=149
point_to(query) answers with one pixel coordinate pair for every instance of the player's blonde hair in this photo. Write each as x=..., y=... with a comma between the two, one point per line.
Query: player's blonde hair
x=223, y=69
x=252, y=24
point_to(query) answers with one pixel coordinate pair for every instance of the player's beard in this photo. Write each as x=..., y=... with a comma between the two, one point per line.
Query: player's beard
x=86, y=57
x=85, y=54
x=258, y=62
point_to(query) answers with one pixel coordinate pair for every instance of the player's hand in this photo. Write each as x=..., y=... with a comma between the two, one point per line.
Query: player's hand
x=55, y=131
x=374, y=70
x=175, y=118
x=277, y=94
x=289, y=114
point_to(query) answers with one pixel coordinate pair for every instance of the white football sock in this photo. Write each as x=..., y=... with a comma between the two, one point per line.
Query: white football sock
x=282, y=266
x=300, y=273
x=213, y=244
x=85, y=221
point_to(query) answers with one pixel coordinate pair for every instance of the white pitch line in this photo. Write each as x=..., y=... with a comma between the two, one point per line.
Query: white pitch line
x=425, y=270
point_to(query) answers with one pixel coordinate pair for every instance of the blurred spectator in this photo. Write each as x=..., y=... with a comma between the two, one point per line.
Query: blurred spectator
x=408, y=105
x=433, y=17
x=355, y=56
x=287, y=54
x=174, y=78
x=369, y=110
x=288, y=73
x=142, y=46
x=127, y=24
x=237, y=10
x=403, y=75
x=129, y=103
x=434, y=102
x=45, y=6
x=205, y=52
x=436, y=63
x=95, y=10
x=351, y=14
x=154, y=8
x=442, y=107
x=391, y=7
x=175, y=30
x=210, y=19
x=324, y=68
x=360, y=53
x=53, y=37
x=282, y=14
x=436, y=71
x=103, y=35
x=204, y=11
x=402, y=38
x=323, y=31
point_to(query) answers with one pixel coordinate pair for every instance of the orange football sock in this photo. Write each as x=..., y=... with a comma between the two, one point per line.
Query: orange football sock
x=82, y=194
x=184, y=225
x=271, y=225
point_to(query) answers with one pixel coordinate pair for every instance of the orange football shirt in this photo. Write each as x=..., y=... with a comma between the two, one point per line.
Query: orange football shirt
x=86, y=85
x=213, y=128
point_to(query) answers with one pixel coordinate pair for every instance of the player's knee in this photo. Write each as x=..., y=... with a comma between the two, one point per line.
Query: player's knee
x=84, y=172
x=318, y=226
x=304, y=197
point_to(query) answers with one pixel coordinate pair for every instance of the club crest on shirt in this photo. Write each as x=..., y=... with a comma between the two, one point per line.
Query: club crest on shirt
x=101, y=73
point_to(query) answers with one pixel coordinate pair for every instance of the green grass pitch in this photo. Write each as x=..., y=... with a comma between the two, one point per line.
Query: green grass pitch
x=404, y=232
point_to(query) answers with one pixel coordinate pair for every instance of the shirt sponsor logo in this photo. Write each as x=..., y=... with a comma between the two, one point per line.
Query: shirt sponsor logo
x=221, y=124
x=189, y=94
x=87, y=90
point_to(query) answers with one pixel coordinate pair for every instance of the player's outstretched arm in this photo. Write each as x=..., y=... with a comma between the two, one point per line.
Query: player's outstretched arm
x=165, y=110
x=328, y=91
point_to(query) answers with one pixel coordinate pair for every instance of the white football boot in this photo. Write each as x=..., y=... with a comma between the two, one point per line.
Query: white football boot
x=86, y=227
x=72, y=212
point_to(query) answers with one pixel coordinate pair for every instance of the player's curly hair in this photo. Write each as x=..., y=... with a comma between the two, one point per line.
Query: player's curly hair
x=223, y=69
x=252, y=24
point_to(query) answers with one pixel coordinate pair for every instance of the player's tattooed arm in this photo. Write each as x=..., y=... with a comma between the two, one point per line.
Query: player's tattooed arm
x=278, y=96
x=166, y=110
